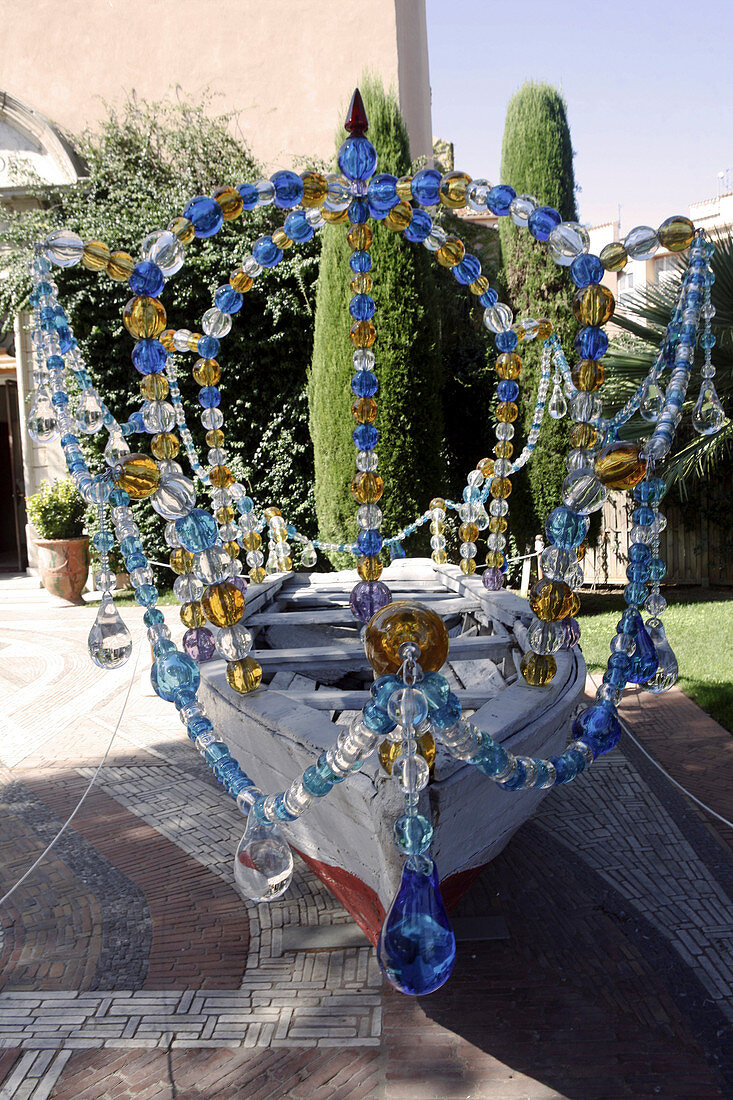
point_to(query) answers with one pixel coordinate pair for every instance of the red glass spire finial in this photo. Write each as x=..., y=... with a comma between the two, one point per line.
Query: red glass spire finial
x=356, y=120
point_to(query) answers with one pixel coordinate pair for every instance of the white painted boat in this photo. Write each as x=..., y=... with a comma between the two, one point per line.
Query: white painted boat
x=317, y=677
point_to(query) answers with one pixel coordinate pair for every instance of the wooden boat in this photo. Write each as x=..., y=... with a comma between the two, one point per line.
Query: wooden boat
x=318, y=677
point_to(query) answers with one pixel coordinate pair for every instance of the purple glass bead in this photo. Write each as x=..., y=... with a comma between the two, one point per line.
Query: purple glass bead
x=493, y=579
x=571, y=632
x=199, y=644
x=367, y=598
x=240, y=583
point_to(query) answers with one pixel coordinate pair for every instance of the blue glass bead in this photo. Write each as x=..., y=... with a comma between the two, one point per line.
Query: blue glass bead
x=153, y=616
x=500, y=198
x=119, y=498
x=628, y=622
x=208, y=347
x=288, y=189
x=542, y=221
x=419, y=228
x=637, y=571
x=507, y=391
x=147, y=279
x=643, y=515
x=516, y=780
x=506, y=341
x=362, y=307
x=66, y=340
x=652, y=489
x=491, y=758
x=565, y=767
x=209, y=397
x=136, y=560
x=384, y=687
x=149, y=356
x=324, y=769
x=591, y=342
x=565, y=528
x=365, y=437
x=471, y=493
x=214, y=752
x=598, y=728
x=135, y=419
x=237, y=781
x=292, y=530
x=382, y=191
x=639, y=552
x=435, y=688
x=315, y=783
x=360, y=262
x=586, y=269
x=358, y=211
x=146, y=594
x=59, y=399
x=543, y=773
x=103, y=540
x=688, y=334
x=396, y=550
x=130, y=546
x=378, y=213
x=48, y=318
x=249, y=194
x=197, y=531
x=364, y=383
x=357, y=158
x=417, y=948
x=369, y=542
x=635, y=593
x=644, y=659
x=224, y=768
x=674, y=397
x=412, y=834
x=425, y=187
x=69, y=440
x=297, y=227
x=657, y=569
x=367, y=598
x=228, y=300
x=468, y=270
x=245, y=505
x=488, y=299
x=174, y=672
x=199, y=725
x=266, y=252
x=576, y=757
x=206, y=215
x=615, y=676
x=447, y=715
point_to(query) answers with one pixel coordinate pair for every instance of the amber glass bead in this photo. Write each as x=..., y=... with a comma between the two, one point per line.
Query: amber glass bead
x=588, y=375
x=285, y=565
x=140, y=476
x=369, y=568
x=315, y=188
x=437, y=503
x=192, y=614
x=439, y=557
x=479, y=286
x=240, y=281
x=363, y=334
x=500, y=488
x=676, y=233
x=251, y=540
x=583, y=435
x=388, y=751
x=280, y=534
x=544, y=328
x=451, y=252
x=507, y=412
x=120, y=266
x=335, y=217
x=538, y=669
x=468, y=532
x=165, y=445
x=468, y=566
x=620, y=465
x=453, y=189
x=504, y=448
x=271, y=512
x=399, y=217
x=232, y=549
x=508, y=365
x=580, y=551
x=244, y=676
x=485, y=466
x=614, y=256
x=574, y=604
x=225, y=514
x=437, y=527
x=364, y=410
x=281, y=239
x=497, y=525
x=495, y=559
x=404, y=188
x=166, y=339
x=193, y=341
x=221, y=477
x=594, y=304
x=361, y=284
x=257, y=575
x=206, y=372
x=405, y=621
x=181, y=561
x=230, y=202
x=154, y=387
x=550, y=599
x=360, y=236
x=367, y=488
x=95, y=256
x=215, y=438
x=183, y=229
x=223, y=603
x=143, y=317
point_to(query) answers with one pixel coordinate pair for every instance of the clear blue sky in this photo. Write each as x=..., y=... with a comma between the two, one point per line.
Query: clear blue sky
x=648, y=85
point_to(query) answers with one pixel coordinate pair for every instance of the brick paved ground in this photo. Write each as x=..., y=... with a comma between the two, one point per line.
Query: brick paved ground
x=131, y=968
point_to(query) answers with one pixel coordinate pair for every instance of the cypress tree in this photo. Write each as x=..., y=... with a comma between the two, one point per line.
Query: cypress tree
x=408, y=365
x=537, y=159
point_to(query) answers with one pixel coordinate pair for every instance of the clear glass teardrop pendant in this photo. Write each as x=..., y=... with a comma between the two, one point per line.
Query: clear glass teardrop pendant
x=708, y=416
x=263, y=864
x=110, y=642
x=652, y=400
x=667, y=671
x=558, y=406
x=417, y=947
x=89, y=413
x=42, y=426
x=116, y=448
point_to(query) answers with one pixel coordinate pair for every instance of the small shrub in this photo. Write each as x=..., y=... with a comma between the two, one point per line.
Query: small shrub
x=57, y=511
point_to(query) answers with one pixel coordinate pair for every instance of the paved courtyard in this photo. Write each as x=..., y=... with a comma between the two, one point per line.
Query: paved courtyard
x=595, y=954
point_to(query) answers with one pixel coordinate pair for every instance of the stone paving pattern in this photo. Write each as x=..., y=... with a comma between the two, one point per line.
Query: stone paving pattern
x=130, y=967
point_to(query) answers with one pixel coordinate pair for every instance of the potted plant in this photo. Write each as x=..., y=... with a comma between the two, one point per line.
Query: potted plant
x=57, y=514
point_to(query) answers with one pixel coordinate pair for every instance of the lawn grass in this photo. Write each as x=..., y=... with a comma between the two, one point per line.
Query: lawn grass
x=699, y=627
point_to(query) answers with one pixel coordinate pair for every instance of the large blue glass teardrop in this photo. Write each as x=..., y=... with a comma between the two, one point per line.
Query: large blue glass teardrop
x=644, y=658
x=417, y=948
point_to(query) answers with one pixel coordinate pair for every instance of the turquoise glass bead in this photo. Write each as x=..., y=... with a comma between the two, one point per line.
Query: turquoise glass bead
x=174, y=672
x=146, y=595
x=565, y=528
x=197, y=531
x=215, y=752
x=153, y=616
x=315, y=783
x=447, y=715
x=376, y=719
x=435, y=688
x=516, y=780
x=413, y=834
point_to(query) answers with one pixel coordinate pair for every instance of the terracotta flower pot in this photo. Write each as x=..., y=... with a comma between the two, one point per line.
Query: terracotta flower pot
x=64, y=566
